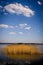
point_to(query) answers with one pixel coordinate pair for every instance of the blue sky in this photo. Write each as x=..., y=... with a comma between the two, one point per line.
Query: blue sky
x=21, y=21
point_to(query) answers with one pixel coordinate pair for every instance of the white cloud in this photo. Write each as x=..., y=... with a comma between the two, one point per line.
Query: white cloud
x=5, y=26
x=12, y=33
x=18, y=8
x=27, y=28
x=39, y=2
x=23, y=25
x=21, y=33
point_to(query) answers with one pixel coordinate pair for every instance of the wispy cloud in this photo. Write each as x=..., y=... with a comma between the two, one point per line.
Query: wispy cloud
x=11, y=26
x=28, y=28
x=18, y=8
x=6, y=26
x=12, y=33
x=1, y=7
x=3, y=26
x=39, y=3
x=25, y=26
x=22, y=25
x=5, y=13
x=20, y=33
x=16, y=26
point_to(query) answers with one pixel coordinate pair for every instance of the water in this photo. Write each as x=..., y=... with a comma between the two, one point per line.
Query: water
x=19, y=57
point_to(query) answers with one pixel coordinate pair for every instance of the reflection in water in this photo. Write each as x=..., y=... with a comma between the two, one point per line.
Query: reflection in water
x=23, y=57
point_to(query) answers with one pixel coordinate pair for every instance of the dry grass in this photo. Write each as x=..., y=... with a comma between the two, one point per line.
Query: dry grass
x=21, y=49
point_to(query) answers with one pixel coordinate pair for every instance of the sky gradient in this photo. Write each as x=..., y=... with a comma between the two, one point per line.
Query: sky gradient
x=21, y=21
